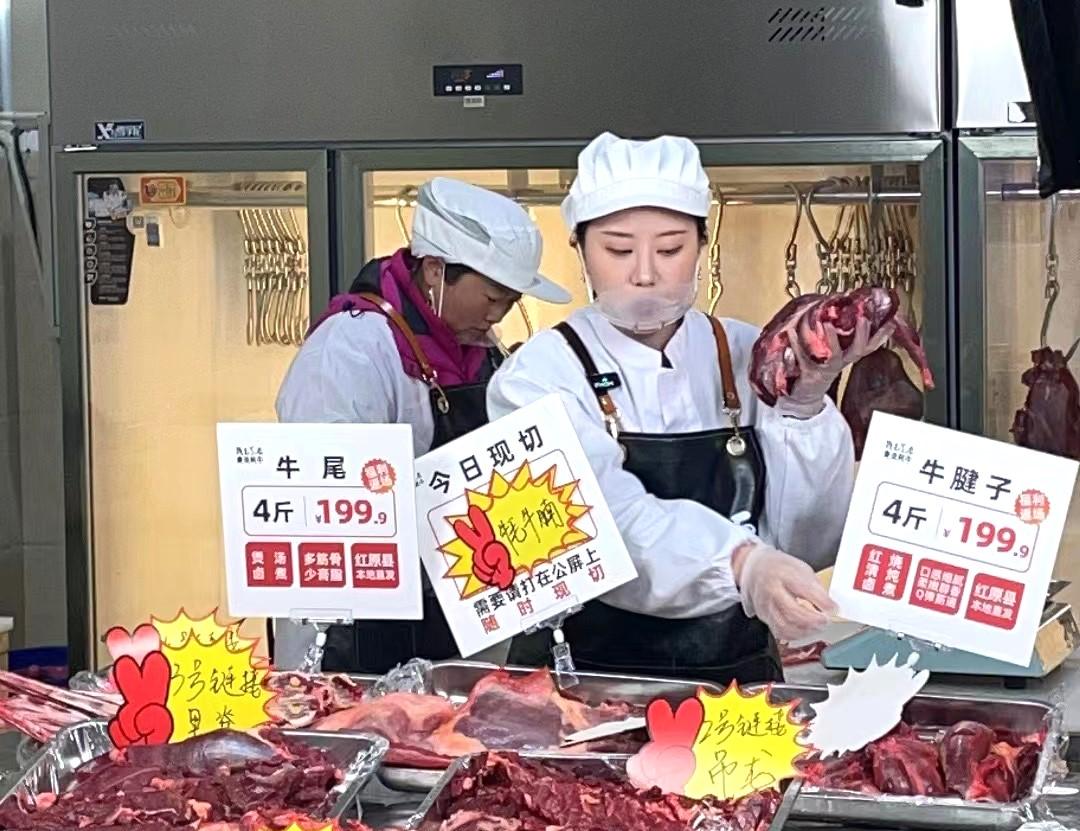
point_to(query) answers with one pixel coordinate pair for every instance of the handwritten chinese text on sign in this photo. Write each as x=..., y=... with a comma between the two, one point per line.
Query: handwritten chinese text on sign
x=319, y=521
x=513, y=526
x=952, y=537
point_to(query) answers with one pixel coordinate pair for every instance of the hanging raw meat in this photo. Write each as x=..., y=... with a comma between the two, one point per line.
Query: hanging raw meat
x=878, y=381
x=1050, y=418
x=774, y=368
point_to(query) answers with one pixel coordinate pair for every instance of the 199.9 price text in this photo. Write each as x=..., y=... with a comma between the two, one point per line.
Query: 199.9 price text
x=985, y=535
x=318, y=512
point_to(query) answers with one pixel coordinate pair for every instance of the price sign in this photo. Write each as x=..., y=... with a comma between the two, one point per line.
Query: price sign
x=726, y=746
x=319, y=520
x=952, y=537
x=513, y=526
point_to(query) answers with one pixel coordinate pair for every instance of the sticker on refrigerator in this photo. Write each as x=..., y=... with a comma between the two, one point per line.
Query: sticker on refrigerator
x=107, y=244
x=163, y=190
x=114, y=132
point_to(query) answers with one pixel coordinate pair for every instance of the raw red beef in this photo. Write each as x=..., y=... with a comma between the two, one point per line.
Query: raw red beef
x=848, y=772
x=1005, y=773
x=963, y=746
x=503, y=792
x=224, y=777
x=791, y=656
x=1050, y=418
x=526, y=712
x=774, y=369
x=905, y=765
x=971, y=760
x=878, y=382
x=502, y=712
x=41, y=710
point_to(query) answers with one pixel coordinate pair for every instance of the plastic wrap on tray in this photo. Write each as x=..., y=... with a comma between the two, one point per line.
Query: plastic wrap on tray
x=53, y=769
x=414, y=676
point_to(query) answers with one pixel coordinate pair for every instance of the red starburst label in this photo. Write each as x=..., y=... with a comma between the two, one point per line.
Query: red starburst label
x=1032, y=507
x=378, y=476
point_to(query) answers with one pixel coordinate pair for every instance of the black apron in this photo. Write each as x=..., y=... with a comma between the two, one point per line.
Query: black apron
x=722, y=469
x=377, y=646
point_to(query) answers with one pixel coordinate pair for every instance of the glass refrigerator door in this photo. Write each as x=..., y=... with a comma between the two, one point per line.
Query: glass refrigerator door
x=198, y=291
x=786, y=218
x=1016, y=251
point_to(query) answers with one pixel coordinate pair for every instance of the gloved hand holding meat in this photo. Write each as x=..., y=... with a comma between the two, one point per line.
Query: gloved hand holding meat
x=804, y=348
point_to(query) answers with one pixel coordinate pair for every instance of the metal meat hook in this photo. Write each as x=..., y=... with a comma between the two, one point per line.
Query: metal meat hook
x=791, y=253
x=716, y=276
x=1053, y=288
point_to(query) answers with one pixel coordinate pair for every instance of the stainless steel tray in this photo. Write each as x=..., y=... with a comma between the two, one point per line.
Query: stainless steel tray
x=938, y=712
x=54, y=767
x=432, y=810
x=455, y=680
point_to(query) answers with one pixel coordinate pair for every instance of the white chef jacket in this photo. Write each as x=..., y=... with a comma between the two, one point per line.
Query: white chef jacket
x=349, y=371
x=682, y=549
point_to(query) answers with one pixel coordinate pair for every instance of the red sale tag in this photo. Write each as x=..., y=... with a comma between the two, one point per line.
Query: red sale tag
x=322, y=565
x=939, y=586
x=374, y=565
x=883, y=572
x=994, y=601
x=269, y=564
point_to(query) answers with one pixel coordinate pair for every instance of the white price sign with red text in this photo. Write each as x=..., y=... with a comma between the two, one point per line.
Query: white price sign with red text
x=319, y=521
x=514, y=527
x=952, y=538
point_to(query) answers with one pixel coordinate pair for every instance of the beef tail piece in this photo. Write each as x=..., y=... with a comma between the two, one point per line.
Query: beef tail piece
x=1049, y=421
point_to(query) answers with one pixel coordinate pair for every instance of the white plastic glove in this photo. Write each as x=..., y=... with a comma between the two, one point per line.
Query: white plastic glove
x=807, y=397
x=781, y=591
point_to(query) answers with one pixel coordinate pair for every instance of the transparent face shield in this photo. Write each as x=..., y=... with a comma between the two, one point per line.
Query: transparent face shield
x=641, y=304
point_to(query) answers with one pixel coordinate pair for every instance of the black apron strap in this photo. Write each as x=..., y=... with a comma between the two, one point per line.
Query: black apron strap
x=602, y=383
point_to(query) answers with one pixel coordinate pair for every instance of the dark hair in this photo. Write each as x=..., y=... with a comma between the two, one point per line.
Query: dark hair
x=702, y=229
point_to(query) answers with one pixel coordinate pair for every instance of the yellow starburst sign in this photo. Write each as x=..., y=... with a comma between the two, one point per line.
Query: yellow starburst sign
x=216, y=682
x=176, y=632
x=745, y=744
x=533, y=518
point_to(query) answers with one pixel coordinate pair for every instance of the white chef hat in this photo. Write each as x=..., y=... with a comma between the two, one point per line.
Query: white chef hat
x=492, y=235
x=615, y=174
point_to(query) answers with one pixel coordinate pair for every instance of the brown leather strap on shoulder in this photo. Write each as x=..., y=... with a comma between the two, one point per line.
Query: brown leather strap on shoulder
x=430, y=376
x=727, y=374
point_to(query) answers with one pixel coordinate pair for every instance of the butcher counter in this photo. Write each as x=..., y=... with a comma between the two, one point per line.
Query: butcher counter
x=1060, y=686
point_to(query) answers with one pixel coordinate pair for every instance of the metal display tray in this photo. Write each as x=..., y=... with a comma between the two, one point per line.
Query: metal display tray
x=54, y=767
x=431, y=812
x=455, y=680
x=933, y=713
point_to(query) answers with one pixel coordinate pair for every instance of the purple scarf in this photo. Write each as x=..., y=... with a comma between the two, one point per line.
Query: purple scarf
x=455, y=363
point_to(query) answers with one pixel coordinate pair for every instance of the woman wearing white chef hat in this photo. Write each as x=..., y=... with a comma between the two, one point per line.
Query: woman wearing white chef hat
x=411, y=343
x=660, y=397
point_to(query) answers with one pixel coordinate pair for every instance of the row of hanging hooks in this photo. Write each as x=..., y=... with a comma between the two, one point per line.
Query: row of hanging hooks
x=870, y=243
x=275, y=270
